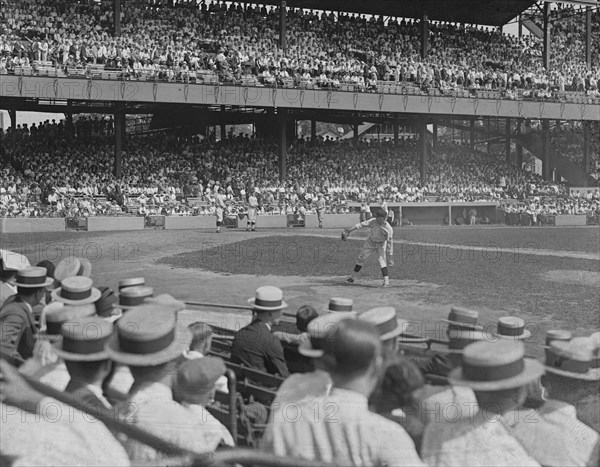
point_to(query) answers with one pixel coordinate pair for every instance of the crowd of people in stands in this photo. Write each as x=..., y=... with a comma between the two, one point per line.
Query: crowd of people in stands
x=241, y=44
x=148, y=381
x=48, y=173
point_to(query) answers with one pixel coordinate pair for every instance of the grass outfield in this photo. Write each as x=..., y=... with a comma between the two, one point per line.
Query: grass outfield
x=544, y=286
x=586, y=239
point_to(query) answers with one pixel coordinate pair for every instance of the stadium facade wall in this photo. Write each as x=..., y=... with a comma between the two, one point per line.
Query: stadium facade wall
x=26, y=225
x=43, y=87
x=272, y=222
x=190, y=222
x=571, y=219
x=96, y=224
x=332, y=221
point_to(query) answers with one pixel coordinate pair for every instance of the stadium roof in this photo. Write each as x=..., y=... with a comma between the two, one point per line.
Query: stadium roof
x=484, y=12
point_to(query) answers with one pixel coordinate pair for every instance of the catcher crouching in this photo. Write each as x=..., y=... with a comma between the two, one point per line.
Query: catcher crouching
x=380, y=241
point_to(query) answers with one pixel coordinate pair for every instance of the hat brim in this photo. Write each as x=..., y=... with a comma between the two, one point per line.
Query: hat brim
x=463, y=325
x=94, y=296
x=48, y=282
x=526, y=335
x=77, y=357
x=532, y=370
x=266, y=308
x=180, y=343
x=592, y=374
x=327, y=311
x=438, y=347
x=128, y=307
x=406, y=338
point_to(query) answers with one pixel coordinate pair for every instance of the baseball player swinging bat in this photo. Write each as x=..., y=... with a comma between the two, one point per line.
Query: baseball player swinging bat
x=379, y=241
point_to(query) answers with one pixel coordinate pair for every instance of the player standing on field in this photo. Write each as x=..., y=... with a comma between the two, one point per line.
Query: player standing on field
x=252, y=207
x=380, y=241
x=320, y=205
x=220, y=207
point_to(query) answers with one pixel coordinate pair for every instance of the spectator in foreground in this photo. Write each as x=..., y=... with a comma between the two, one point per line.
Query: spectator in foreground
x=82, y=349
x=152, y=353
x=558, y=437
x=499, y=374
x=398, y=395
x=345, y=431
x=17, y=323
x=254, y=345
x=194, y=388
x=313, y=384
x=200, y=347
x=36, y=430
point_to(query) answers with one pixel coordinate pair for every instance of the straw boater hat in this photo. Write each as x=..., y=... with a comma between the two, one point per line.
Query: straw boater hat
x=319, y=331
x=76, y=290
x=268, y=298
x=511, y=327
x=69, y=267
x=575, y=359
x=148, y=335
x=557, y=335
x=32, y=277
x=131, y=282
x=462, y=318
x=12, y=261
x=388, y=325
x=495, y=366
x=132, y=297
x=339, y=305
x=84, y=340
x=57, y=313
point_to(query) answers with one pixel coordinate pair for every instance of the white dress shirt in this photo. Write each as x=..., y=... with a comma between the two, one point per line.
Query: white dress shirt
x=339, y=428
x=58, y=435
x=555, y=437
x=152, y=408
x=477, y=441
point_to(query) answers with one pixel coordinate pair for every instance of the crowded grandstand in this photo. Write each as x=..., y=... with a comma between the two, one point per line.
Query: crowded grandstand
x=149, y=378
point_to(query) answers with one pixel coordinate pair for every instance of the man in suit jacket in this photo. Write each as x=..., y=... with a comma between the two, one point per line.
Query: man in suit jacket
x=82, y=349
x=255, y=346
x=17, y=324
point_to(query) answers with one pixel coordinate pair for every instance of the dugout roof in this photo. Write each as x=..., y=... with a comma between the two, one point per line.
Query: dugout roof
x=484, y=12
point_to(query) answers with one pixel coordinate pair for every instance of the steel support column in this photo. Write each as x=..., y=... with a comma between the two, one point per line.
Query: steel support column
x=547, y=27
x=519, y=147
x=395, y=131
x=507, y=147
x=282, y=25
x=435, y=135
x=423, y=151
x=13, y=119
x=117, y=16
x=588, y=36
x=313, y=132
x=546, y=169
x=472, y=134
x=355, y=134
x=424, y=30
x=586, y=146
x=282, y=145
x=119, y=119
